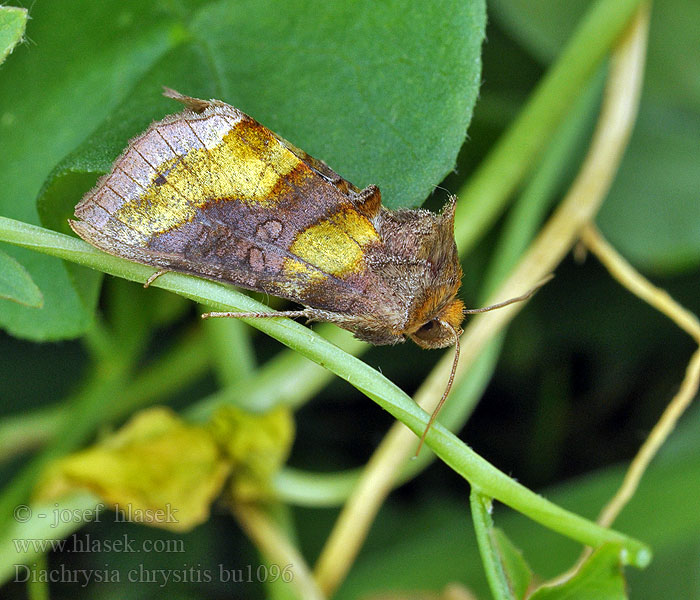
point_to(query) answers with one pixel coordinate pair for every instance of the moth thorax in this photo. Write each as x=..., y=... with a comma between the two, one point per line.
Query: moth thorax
x=440, y=331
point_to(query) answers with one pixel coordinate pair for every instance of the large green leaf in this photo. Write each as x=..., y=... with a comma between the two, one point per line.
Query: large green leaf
x=653, y=211
x=382, y=91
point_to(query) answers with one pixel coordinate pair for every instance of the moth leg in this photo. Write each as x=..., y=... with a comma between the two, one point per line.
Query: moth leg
x=292, y=314
x=155, y=276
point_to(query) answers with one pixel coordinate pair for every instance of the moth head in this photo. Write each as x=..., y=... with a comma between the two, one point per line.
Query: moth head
x=442, y=329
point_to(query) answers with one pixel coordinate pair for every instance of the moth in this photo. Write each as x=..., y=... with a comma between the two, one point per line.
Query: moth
x=213, y=193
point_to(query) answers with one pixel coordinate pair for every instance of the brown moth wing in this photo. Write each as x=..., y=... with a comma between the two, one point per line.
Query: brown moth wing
x=368, y=200
x=320, y=167
x=213, y=193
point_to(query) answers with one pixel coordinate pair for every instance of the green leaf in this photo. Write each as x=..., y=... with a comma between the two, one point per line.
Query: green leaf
x=382, y=91
x=599, y=578
x=652, y=214
x=16, y=284
x=514, y=564
x=13, y=21
x=506, y=570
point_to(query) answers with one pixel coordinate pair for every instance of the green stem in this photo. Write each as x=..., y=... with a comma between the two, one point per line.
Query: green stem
x=23, y=432
x=448, y=447
x=483, y=526
x=272, y=541
x=39, y=590
x=99, y=342
x=331, y=489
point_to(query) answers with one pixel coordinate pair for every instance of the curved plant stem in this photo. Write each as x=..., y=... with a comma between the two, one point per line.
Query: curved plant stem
x=275, y=545
x=481, y=507
x=553, y=243
x=614, y=126
x=332, y=489
x=621, y=270
x=39, y=590
x=455, y=453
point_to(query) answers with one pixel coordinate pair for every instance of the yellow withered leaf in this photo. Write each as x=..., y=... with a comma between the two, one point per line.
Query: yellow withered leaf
x=157, y=469
x=257, y=445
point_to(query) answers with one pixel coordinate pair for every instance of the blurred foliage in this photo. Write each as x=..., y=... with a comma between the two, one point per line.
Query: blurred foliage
x=585, y=370
x=653, y=211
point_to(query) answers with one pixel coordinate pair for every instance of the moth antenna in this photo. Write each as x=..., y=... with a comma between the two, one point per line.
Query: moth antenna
x=450, y=381
x=525, y=296
x=444, y=189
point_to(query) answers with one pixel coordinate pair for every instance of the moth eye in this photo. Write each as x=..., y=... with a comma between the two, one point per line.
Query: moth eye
x=433, y=334
x=427, y=327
